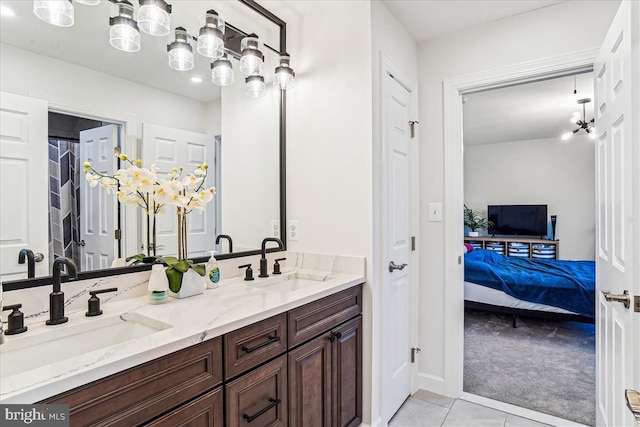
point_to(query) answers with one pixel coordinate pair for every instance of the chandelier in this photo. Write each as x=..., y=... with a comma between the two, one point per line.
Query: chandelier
x=581, y=121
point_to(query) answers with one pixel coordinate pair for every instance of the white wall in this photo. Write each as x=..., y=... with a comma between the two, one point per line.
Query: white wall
x=552, y=31
x=560, y=174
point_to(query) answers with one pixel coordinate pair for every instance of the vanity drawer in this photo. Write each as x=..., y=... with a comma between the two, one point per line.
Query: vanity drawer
x=259, y=398
x=319, y=316
x=205, y=411
x=142, y=393
x=252, y=345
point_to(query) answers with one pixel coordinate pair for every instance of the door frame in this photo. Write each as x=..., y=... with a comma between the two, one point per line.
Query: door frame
x=380, y=218
x=453, y=88
x=129, y=136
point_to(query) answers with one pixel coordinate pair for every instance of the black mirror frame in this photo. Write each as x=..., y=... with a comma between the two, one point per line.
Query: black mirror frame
x=14, y=285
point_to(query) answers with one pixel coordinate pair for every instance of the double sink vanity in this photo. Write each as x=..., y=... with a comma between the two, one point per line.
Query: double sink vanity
x=282, y=350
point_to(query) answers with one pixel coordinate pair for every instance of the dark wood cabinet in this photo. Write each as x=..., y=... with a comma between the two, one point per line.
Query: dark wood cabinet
x=259, y=398
x=205, y=411
x=325, y=379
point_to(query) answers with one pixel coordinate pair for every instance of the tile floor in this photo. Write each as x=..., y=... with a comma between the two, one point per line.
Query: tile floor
x=426, y=409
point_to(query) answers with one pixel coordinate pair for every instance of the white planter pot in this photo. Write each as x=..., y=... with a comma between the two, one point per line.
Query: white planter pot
x=474, y=234
x=192, y=284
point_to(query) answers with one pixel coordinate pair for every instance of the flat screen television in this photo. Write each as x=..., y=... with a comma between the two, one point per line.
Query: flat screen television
x=518, y=220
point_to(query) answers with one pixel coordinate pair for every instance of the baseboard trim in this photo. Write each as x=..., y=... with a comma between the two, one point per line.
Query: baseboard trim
x=431, y=383
x=517, y=410
x=376, y=423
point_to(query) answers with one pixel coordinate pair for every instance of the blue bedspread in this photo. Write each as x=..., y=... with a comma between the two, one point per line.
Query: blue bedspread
x=565, y=284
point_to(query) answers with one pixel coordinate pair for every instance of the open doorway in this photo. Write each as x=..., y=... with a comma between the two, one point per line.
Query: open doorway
x=81, y=228
x=538, y=190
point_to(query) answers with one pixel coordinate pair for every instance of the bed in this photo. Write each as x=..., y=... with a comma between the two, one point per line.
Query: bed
x=556, y=289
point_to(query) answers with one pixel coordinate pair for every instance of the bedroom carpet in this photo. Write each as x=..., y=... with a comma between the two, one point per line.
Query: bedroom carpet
x=546, y=366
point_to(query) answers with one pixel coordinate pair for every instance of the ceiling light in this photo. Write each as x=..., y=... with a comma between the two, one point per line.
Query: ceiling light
x=284, y=73
x=180, y=51
x=210, y=42
x=580, y=120
x=153, y=17
x=124, y=34
x=88, y=2
x=5, y=11
x=54, y=12
x=255, y=86
x=222, y=71
x=196, y=79
x=251, y=59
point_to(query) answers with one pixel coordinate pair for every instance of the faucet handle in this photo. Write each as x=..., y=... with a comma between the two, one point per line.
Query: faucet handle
x=15, y=320
x=276, y=265
x=94, y=302
x=248, y=274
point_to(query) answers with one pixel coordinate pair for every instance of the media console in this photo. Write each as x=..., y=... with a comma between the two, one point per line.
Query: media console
x=518, y=246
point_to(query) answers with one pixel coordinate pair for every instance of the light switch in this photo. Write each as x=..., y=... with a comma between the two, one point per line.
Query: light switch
x=435, y=212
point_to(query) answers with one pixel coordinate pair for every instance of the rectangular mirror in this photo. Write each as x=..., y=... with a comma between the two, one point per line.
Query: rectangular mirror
x=147, y=110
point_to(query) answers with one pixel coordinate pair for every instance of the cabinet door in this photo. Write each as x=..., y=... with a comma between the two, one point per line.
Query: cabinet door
x=205, y=411
x=310, y=383
x=347, y=373
x=259, y=398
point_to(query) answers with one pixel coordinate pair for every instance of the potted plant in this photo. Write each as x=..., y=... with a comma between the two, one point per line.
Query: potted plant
x=475, y=221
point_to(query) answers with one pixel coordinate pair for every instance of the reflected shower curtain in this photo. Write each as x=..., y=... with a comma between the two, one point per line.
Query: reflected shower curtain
x=64, y=199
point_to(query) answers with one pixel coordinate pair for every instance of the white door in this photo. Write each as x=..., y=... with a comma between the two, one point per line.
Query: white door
x=396, y=293
x=98, y=209
x=24, y=181
x=617, y=82
x=169, y=148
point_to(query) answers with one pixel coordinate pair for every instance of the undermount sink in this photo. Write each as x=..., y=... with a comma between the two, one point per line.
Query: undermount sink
x=22, y=353
x=290, y=282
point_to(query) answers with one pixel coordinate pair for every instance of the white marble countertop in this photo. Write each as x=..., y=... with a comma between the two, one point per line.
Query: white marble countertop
x=233, y=305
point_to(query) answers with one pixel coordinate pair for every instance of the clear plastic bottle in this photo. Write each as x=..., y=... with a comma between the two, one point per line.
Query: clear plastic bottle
x=212, y=276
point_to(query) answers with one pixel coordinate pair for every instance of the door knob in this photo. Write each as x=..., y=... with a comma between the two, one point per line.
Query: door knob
x=394, y=266
x=624, y=298
x=633, y=402
x=38, y=257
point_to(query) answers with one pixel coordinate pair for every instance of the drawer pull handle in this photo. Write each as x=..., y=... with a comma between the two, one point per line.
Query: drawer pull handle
x=271, y=339
x=273, y=402
x=335, y=335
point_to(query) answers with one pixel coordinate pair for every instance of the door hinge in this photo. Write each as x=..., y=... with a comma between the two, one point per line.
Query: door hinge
x=414, y=350
x=412, y=126
x=459, y=259
x=413, y=243
x=636, y=303
x=117, y=234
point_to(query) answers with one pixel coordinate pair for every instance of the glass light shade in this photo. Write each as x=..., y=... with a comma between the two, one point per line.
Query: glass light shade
x=88, y=2
x=54, y=12
x=567, y=136
x=251, y=59
x=210, y=43
x=255, y=86
x=284, y=75
x=125, y=36
x=181, y=58
x=222, y=72
x=153, y=17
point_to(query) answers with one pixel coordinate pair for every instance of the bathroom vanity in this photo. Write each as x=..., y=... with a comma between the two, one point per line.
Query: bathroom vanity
x=284, y=350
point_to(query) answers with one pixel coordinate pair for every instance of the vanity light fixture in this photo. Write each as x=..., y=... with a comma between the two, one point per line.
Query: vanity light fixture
x=581, y=122
x=284, y=73
x=210, y=42
x=88, y=2
x=251, y=56
x=222, y=71
x=54, y=12
x=180, y=51
x=124, y=33
x=153, y=17
x=255, y=86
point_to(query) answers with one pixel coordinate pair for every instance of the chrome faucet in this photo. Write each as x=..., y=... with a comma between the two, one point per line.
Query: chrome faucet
x=31, y=261
x=263, y=259
x=225, y=236
x=56, y=298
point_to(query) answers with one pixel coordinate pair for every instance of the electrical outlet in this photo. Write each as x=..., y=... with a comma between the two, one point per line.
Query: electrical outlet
x=275, y=228
x=293, y=230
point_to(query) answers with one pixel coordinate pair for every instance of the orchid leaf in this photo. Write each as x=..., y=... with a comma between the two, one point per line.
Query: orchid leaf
x=175, y=279
x=200, y=269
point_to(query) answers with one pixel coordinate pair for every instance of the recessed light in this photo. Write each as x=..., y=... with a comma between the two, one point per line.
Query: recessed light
x=5, y=11
x=196, y=79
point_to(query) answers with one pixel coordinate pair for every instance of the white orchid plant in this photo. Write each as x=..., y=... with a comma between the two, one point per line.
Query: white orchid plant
x=143, y=187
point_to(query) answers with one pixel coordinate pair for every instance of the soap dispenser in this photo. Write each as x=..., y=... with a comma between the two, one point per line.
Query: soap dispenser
x=212, y=276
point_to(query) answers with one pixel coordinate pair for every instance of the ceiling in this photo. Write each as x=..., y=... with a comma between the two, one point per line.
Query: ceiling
x=537, y=110
x=427, y=19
